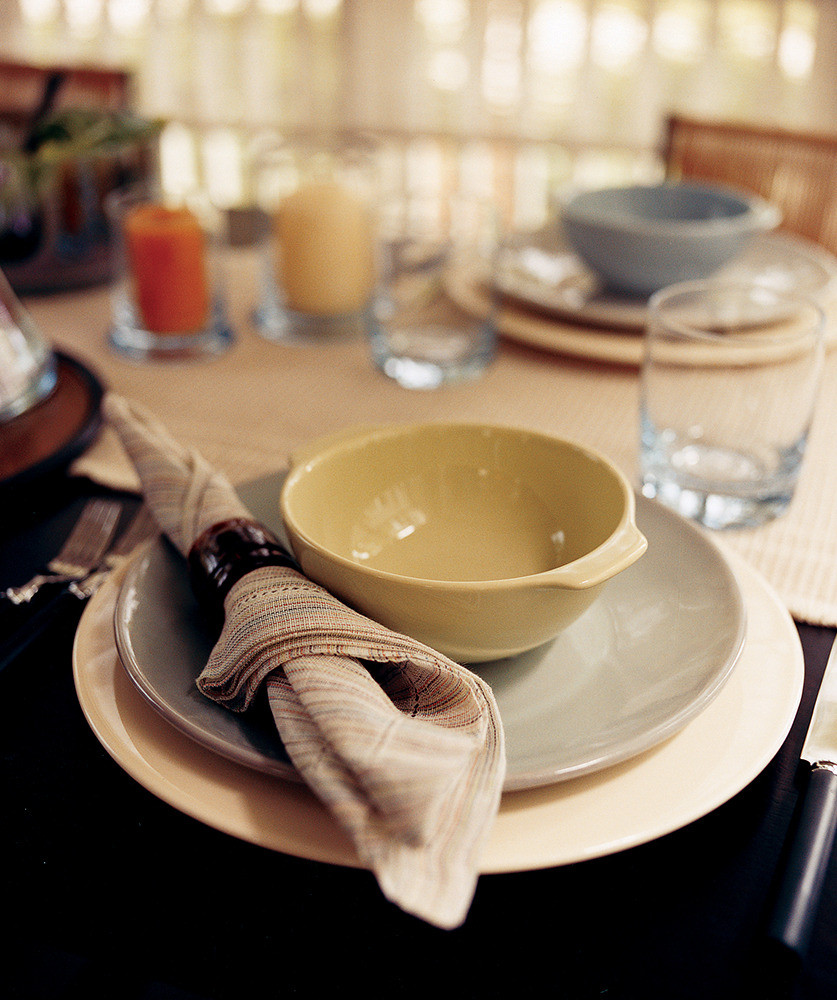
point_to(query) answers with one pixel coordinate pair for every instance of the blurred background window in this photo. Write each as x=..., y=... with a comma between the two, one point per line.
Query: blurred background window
x=537, y=94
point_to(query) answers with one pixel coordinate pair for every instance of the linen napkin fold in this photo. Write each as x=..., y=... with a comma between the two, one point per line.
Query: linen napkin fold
x=402, y=745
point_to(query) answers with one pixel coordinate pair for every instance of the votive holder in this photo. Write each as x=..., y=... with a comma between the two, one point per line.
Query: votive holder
x=168, y=294
x=317, y=247
x=28, y=368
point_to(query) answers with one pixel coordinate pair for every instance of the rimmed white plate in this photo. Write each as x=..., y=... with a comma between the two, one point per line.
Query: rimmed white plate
x=647, y=657
x=555, y=280
x=605, y=329
x=711, y=759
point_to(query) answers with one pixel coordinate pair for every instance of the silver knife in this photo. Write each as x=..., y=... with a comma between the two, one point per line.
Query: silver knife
x=795, y=909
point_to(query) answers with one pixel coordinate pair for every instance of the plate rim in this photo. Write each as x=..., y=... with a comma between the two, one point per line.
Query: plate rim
x=525, y=777
x=82, y=435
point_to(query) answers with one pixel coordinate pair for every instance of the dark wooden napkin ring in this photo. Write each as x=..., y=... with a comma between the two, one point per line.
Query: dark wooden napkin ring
x=224, y=553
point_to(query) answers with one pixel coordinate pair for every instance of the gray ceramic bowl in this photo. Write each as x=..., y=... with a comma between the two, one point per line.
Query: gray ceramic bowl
x=641, y=238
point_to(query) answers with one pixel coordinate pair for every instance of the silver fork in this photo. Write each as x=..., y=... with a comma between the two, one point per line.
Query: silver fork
x=70, y=598
x=142, y=527
x=81, y=552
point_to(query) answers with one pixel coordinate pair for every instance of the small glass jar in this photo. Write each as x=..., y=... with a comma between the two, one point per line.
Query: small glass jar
x=168, y=294
x=28, y=370
x=317, y=249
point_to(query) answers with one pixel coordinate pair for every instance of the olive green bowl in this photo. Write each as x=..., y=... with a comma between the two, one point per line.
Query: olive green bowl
x=480, y=541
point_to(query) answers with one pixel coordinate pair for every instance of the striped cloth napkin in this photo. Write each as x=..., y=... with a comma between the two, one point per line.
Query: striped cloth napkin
x=401, y=744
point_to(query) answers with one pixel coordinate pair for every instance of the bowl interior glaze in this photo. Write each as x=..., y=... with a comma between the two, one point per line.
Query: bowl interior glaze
x=456, y=503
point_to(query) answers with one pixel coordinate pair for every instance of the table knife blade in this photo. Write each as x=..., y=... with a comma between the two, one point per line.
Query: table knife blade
x=800, y=887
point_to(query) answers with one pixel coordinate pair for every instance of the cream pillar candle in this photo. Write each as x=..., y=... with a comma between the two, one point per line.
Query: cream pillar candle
x=326, y=256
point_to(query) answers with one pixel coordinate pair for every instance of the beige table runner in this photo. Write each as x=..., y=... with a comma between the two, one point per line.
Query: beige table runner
x=246, y=410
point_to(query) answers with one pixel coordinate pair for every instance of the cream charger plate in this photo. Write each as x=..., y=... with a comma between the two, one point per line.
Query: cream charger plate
x=708, y=761
x=466, y=288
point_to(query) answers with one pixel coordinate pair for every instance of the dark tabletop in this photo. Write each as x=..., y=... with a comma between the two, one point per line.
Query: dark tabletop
x=112, y=893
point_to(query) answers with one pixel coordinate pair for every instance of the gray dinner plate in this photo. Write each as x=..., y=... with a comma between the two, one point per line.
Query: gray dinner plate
x=539, y=270
x=645, y=659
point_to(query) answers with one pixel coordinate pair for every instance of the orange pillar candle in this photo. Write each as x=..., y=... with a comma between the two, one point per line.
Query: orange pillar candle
x=326, y=255
x=166, y=251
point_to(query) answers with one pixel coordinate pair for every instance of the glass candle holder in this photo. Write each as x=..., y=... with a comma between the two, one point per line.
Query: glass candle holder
x=168, y=295
x=28, y=371
x=317, y=249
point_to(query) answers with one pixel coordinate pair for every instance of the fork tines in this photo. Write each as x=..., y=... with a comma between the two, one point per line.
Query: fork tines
x=88, y=539
x=81, y=552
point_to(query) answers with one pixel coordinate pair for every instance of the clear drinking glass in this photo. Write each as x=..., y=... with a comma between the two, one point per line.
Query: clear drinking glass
x=729, y=383
x=419, y=336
